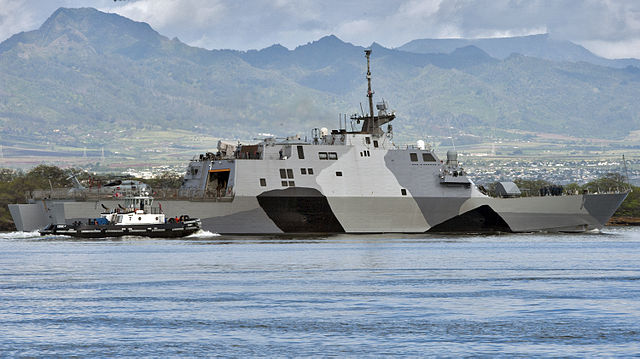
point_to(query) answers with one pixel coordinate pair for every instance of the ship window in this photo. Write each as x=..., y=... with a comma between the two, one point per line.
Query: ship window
x=289, y=173
x=360, y=154
x=339, y=173
x=284, y=183
x=310, y=171
x=403, y=191
x=292, y=183
x=322, y=155
x=428, y=157
x=300, y=152
x=375, y=143
x=333, y=156
x=367, y=140
x=368, y=154
x=263, y=182
x=414, y=157
x=303, y=171
x=139, y=218
x=283, y=173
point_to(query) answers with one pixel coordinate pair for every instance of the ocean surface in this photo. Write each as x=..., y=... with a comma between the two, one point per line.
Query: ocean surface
x=511, y=295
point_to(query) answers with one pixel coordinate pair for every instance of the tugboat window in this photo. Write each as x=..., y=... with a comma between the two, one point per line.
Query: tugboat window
x=289, y=173
x=322, y=155
x=428, y=157
x=283, y=173
x=414, y=157
x=333, y=156
x=339, y=173
x=303, y=171
x=263, y=182
x=310, y=171
x=301, y=152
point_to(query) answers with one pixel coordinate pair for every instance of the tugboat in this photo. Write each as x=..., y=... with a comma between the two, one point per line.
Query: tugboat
x=132, y=220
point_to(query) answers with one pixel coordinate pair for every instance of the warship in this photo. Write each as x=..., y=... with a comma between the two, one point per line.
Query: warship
x=352, y=180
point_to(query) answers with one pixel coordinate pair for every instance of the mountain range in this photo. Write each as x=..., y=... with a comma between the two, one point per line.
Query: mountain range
x=88, y=79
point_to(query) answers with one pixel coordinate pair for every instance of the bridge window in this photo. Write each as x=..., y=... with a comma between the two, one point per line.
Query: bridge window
x=333, y=156
x=283, y=173
x=263, y=182
x=303, y=171
x=301, y=152
x=289, y=173
x=322, y=155
x=310, y=171
x=428, y=157
x=414, y=157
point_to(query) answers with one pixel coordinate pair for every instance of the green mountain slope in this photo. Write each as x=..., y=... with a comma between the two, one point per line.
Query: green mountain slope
x=90, y=79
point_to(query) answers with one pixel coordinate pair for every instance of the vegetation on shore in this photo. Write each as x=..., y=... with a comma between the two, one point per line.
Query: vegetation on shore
x=14, y=185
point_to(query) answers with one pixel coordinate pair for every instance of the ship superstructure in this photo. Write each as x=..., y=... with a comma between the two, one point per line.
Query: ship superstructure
x=352, y=180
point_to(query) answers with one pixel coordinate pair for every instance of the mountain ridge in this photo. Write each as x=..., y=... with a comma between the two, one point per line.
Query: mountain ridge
x=84, y=76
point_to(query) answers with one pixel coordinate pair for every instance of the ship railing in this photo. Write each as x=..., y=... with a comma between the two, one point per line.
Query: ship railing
x=66, y=193
x=192, y=194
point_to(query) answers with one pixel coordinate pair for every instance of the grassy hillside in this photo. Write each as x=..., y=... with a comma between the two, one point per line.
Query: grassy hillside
x=87, y=79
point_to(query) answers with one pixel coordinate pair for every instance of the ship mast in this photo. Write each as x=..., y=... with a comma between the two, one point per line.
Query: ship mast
x=372, y=122
x=372, y=125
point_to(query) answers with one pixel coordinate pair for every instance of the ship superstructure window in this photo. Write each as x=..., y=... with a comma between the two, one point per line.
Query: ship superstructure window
x=263, y=182
x=292, y=183
x=289, y=173
x=403, y=191
x=322, y=155
x=339, y=173
x=301, y=152
x=367, y=140
x=333, y=156
x=414, y=157
x=284, y=183
x=375, y=143
x=303, y=171
x=283, y=173
x=310, y=171
x=428, y=157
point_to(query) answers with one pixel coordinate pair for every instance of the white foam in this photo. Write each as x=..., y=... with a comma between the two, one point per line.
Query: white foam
x=19, y=235
x=203, y=234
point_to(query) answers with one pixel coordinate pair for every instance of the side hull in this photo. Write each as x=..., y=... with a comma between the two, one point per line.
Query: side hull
x=300, y=210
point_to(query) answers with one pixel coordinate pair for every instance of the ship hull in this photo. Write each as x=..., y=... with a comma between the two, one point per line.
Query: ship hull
x=308, y=211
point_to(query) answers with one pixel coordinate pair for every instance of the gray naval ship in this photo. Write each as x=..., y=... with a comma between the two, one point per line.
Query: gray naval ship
x=343, y=181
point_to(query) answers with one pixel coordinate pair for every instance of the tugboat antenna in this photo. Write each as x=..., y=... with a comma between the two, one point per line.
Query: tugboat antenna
x=367, y=54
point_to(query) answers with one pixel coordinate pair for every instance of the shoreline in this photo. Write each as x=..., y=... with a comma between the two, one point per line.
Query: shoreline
x=624, y=221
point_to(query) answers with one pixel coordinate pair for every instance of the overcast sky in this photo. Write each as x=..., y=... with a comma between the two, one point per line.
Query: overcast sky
x=610, y=28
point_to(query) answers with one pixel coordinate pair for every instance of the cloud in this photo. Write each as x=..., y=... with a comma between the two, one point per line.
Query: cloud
x=604, y=26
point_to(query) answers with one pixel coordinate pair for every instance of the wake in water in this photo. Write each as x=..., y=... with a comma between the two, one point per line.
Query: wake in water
x=203, y=234
x=20, y=235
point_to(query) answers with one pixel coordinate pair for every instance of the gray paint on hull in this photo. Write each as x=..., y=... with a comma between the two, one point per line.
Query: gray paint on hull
x=603, y=206
x=252, y=221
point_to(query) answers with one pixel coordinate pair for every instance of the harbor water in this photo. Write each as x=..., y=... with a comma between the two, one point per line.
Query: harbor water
x=547, y=295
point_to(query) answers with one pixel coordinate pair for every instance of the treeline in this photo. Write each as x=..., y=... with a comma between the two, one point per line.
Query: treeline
x=14, y=185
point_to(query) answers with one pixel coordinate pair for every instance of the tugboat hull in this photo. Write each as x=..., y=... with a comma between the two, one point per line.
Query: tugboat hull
x=167, y=230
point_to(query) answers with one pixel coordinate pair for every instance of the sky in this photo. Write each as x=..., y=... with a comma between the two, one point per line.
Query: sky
x=609, y=28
